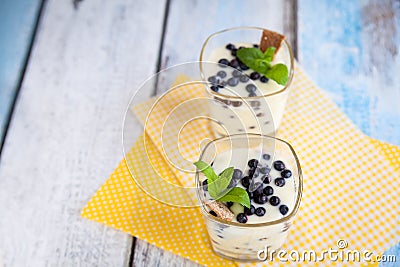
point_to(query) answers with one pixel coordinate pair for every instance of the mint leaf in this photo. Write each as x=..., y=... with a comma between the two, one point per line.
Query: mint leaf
x=249, y=56
x=238, y=195
x=223, y=181
x=260, y=62
x=262, y=65
x=269, y=53
x=208, y=171
x=278, y=73
x=218, y=185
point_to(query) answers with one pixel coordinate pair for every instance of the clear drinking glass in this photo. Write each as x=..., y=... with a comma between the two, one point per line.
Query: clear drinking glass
x=260, y=114
x=242, y=242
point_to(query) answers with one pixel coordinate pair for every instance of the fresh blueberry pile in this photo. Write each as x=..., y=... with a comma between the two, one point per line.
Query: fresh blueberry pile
x=261, y=193
x=222, y=78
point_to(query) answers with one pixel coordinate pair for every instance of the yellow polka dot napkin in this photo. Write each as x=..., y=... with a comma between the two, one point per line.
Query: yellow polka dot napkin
x=351, y=182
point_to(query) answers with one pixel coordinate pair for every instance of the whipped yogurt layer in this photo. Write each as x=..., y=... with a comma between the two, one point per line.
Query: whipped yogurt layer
x=263, y=103
x=274, y=188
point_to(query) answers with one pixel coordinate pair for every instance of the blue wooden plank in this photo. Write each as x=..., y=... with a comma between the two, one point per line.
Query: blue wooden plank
x=352, y=50
x=17, y=20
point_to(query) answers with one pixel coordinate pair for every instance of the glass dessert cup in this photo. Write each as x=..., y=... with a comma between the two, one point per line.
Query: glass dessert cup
x=269, y=103
x=248, y=241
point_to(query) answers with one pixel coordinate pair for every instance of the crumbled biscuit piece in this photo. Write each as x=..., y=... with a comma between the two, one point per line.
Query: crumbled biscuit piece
x=270, y=38
x=221, y=210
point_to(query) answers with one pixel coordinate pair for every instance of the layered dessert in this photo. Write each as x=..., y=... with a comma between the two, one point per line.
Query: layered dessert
x=253, y=193
x=248, y=84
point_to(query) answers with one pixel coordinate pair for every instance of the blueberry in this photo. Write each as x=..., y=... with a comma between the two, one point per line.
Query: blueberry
x=268, y=190
x=251, y=88
x=236, y=73
x=254, y=172
x=251, y=194
x=283, y=209
x=244, y=78
x=233, y=81
x=266, y=179
x=243, y=66
x=250, y=211
x=213, y=213
x=233, y=183
x=222, y=84
x=215, y=88
x=255, y=104
x=264, y=170
x=256, y=188
x=260, y=211
x=266, y=156
x=212, y=79
x=237, y=174
x=252, y=163
x=223, y=62
x=241, y=217
x=261, y=199
x=233, y=52
x=205, y=185
x=234, y=63
x=280, y=182
x=237, y=103
x=255, y=45
x=252, y=94
x=246, y=181
x=254, y=75
x=274, y=201
x=230, y=46
x=221, y=74
x=286, y=173
x=264, y=79
x=279, y=165
x=229, y=204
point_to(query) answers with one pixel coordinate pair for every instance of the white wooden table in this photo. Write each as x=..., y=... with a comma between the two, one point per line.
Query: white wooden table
x=64, y=136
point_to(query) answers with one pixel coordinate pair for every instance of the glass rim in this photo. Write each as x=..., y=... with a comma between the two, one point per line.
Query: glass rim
x=291, y=71
x=291, y=215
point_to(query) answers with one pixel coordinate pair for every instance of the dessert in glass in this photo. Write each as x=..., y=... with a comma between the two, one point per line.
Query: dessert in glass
x=252, y=78
x=267, y=170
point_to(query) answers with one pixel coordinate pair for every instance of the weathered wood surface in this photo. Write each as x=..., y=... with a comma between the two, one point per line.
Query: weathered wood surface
x=190, y=22
x=17, y=23
x=352, y=50
x=65, y=136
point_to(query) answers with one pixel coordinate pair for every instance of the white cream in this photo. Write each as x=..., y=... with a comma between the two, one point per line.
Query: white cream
x=244, y=242
x=271, y=106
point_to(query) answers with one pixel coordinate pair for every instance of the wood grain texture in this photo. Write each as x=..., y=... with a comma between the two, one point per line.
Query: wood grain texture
x=192, y=21
x=148, y=255
x=17, y=21
x=189, y=23
x=351, y=49
x=65, y=136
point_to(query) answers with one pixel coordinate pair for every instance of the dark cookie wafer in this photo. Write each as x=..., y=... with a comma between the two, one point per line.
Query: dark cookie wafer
x=270, y=38
x=221, y=210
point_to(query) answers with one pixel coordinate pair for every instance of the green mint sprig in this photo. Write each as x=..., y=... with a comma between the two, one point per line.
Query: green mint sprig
x=258, y=61
x=218, y=185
